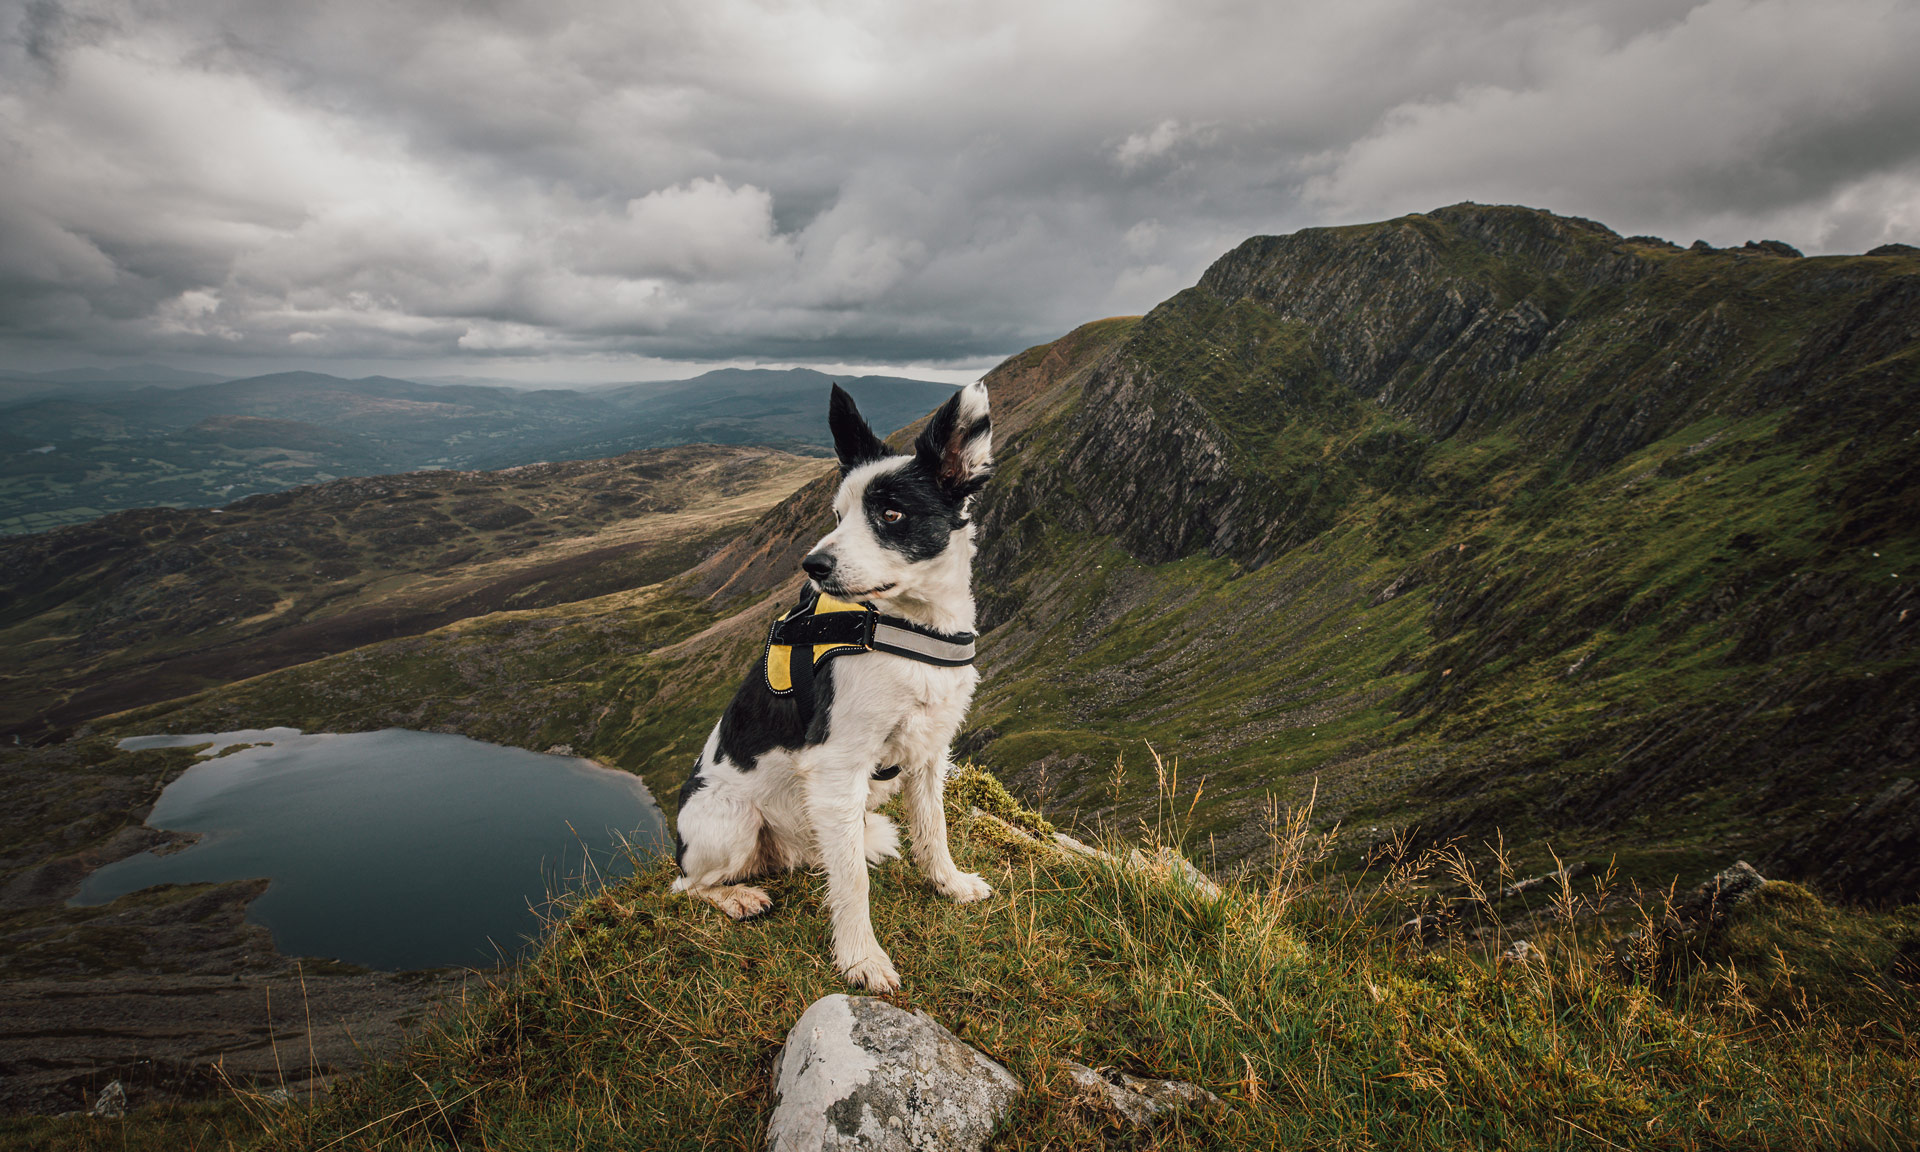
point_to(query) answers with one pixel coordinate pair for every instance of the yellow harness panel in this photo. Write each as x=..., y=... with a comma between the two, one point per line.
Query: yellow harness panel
x=780, y=656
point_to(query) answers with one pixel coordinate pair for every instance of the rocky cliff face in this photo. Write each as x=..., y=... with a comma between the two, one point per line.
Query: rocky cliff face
x=1302, y=365
x=1654, y=509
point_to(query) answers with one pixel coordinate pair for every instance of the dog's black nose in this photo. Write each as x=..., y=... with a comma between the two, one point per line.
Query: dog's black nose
x=819, y=565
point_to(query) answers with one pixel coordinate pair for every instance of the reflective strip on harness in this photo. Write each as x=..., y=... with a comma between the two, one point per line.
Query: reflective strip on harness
x=889, y=637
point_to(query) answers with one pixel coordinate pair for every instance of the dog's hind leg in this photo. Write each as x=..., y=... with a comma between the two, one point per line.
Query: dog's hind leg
x=926, y=786
x=721, y=840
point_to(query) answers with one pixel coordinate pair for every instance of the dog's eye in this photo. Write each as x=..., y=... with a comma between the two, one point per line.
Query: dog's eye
x=892, y=517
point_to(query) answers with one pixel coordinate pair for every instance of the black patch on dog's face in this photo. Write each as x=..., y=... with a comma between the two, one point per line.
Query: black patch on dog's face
x=927, y=515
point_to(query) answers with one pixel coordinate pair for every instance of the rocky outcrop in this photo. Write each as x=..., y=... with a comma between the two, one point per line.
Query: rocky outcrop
x=1464, y=321
x=1654, y=950
x=858, y=1073
x=1499, y=412
x=1135, y=1101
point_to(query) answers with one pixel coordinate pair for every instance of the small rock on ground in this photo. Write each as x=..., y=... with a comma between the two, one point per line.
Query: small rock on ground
x=1736, y=885
x=1137, y=1102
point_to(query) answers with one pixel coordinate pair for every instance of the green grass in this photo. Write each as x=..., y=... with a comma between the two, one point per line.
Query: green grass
x=211, y=1126
x=1564, y=630
x=649, y=1022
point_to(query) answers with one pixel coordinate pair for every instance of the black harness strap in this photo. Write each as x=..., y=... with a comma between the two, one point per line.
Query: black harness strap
x=800, y=668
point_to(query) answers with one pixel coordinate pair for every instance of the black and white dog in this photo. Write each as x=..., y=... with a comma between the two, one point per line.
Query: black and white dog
x=811, y=745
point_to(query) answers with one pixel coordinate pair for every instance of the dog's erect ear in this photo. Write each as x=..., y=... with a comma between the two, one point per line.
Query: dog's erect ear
x=853, y=441
x=957, y=444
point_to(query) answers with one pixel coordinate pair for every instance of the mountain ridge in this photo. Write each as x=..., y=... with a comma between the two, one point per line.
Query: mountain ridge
x=1631, y=614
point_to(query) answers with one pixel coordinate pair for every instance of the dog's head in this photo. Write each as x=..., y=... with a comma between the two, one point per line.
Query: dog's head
x=904, y=532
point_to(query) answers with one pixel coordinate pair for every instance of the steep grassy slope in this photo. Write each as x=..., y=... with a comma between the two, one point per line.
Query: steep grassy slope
x=1490, y=519
x=1480, y=522
x=152, y=604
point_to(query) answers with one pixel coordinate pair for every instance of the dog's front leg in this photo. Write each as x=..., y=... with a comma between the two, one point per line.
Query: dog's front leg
x=836, y=807
x=926, y=787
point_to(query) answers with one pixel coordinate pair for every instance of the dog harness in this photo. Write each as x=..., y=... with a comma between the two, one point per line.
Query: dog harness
x=821, y=628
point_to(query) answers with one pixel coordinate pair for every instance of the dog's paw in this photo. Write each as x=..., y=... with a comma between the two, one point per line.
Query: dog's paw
x=873, y=972
x=964, y=888
x=742, y=902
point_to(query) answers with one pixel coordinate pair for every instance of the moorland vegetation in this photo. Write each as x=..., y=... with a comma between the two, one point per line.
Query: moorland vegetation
x=1466, y=547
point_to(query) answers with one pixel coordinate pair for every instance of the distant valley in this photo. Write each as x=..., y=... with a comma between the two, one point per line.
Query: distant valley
x=77, y=445
x=144, y=605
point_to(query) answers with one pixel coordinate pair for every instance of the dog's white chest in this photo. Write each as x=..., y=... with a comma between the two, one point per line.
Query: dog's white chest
x=911, y=705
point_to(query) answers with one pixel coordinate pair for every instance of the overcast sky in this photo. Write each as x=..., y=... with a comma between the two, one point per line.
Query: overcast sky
x=626, y=189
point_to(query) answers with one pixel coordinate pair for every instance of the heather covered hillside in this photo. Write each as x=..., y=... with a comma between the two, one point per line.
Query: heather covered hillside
x=154, y=603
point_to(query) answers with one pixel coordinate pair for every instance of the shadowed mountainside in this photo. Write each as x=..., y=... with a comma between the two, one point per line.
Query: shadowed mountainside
x=1474, y=522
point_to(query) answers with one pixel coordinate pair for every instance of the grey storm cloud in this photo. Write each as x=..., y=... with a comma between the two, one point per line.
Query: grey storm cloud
x=865, y=182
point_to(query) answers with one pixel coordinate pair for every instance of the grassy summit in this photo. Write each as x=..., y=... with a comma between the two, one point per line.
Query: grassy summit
x=650, y=1022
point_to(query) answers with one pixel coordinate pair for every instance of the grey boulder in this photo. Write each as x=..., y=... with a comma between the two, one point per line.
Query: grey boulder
x=857, y=1072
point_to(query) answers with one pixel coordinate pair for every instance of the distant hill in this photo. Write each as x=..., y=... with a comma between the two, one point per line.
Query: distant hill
x=136, y=375
x=153, y=603
x=766, y=406
x=93, y=383
x=81, y=447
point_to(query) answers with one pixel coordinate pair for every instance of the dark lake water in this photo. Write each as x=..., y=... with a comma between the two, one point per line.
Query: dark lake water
x=392, y=849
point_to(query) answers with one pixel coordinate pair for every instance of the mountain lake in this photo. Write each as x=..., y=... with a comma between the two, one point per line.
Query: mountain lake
x=393, y=849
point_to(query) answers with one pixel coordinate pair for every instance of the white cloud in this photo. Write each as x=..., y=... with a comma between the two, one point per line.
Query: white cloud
x=1141, y=147
x=703, y=229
